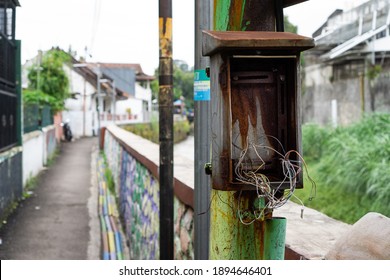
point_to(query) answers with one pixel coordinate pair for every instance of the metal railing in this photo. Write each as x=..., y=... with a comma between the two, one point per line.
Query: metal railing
x=46, y=116
x=31, y=118
x=34, y=117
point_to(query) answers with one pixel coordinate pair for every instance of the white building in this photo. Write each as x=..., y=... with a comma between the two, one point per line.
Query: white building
x=122, y=95
x=135, y=85
x=347, y=73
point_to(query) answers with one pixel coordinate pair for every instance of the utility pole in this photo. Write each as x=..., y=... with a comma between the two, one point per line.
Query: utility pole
x=39, y=68
x=202, y=134
x=165, y=99
x=100, y=101
x=114, y=101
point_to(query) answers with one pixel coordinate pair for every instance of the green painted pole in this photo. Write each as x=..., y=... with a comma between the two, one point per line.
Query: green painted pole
x=18, y=76
x=274, y=238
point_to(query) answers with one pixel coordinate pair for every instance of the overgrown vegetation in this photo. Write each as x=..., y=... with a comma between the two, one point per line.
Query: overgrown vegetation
x=150, y=131
x=40, y=98
x=48, y=82
x=52, y=159
x=350, y=166
x=109, y=178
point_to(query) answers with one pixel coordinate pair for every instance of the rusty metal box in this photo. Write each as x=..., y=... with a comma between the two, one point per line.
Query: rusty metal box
x=255, y=90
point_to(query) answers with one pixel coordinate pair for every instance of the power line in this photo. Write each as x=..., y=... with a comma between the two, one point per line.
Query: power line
x=95, y=23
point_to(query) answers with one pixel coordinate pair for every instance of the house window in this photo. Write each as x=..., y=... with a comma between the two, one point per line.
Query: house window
x=9, y=21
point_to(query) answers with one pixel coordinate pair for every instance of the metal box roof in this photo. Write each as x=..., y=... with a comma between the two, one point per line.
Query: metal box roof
x=215, y=41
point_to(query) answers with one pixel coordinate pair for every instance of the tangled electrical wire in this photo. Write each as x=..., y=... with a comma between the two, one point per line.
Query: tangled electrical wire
x=274, y=197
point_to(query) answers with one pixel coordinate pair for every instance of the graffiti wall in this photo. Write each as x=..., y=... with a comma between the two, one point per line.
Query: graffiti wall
x=138, y=195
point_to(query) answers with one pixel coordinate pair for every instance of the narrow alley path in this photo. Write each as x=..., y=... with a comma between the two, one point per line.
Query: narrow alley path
x=58, y=221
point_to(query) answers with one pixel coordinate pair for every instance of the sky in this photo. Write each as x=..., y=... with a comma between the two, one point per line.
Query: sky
x=126, y=31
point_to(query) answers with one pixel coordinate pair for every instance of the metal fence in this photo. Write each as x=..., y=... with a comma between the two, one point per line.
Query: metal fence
x=34, y=117
x=31, y=118
x=46, y=116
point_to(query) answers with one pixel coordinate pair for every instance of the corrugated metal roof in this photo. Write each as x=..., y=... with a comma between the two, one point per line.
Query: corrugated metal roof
x=347, y=31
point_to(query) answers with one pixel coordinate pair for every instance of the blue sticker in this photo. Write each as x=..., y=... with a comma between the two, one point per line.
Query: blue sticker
x=201, y=86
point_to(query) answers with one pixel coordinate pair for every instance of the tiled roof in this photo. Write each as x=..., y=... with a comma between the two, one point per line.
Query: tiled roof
x=140, y=75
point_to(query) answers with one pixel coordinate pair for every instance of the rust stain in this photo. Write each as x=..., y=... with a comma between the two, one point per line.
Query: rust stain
x=245, y=110
x=259, y=229
x=165, y=31
x=235, y=15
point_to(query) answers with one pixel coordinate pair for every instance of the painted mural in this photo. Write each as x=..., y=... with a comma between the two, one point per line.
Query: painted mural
x=139, y=206
x=138, y=195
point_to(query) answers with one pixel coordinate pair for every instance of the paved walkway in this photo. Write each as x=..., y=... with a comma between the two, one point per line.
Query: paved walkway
x=59, y=221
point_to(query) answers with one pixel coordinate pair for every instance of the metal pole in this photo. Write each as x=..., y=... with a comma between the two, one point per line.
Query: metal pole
x=166, y=130
x=274, y=238
x=99, y=107
x=84, y=105
x=39, y=69
x=19, y=110
x=202, y=139
x=114, y=101
x=279, y=15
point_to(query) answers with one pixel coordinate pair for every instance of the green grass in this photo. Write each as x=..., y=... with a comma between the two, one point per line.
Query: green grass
x=351, y=166
x=150, y=131
x=52, y=159
x=334, y=200
x=109, y=178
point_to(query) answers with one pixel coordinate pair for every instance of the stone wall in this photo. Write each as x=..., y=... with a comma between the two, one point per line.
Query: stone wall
x=320, y=89
x=134, y=164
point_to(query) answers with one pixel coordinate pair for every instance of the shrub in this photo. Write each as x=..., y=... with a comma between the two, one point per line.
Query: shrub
x=150, y=131
x=355, y=159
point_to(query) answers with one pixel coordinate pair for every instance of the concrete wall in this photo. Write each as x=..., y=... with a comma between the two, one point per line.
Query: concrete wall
x=77, y=122
x=321, y=88
x=11, y=187
x=134, y=164
x=38, y=147
x=317, y=102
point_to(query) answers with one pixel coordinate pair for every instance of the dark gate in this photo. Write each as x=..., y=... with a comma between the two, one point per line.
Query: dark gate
x=8, y=93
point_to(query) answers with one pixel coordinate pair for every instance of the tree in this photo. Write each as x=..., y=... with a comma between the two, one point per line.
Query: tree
x=50, y=79
x=183, y=83
x=289, y=27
